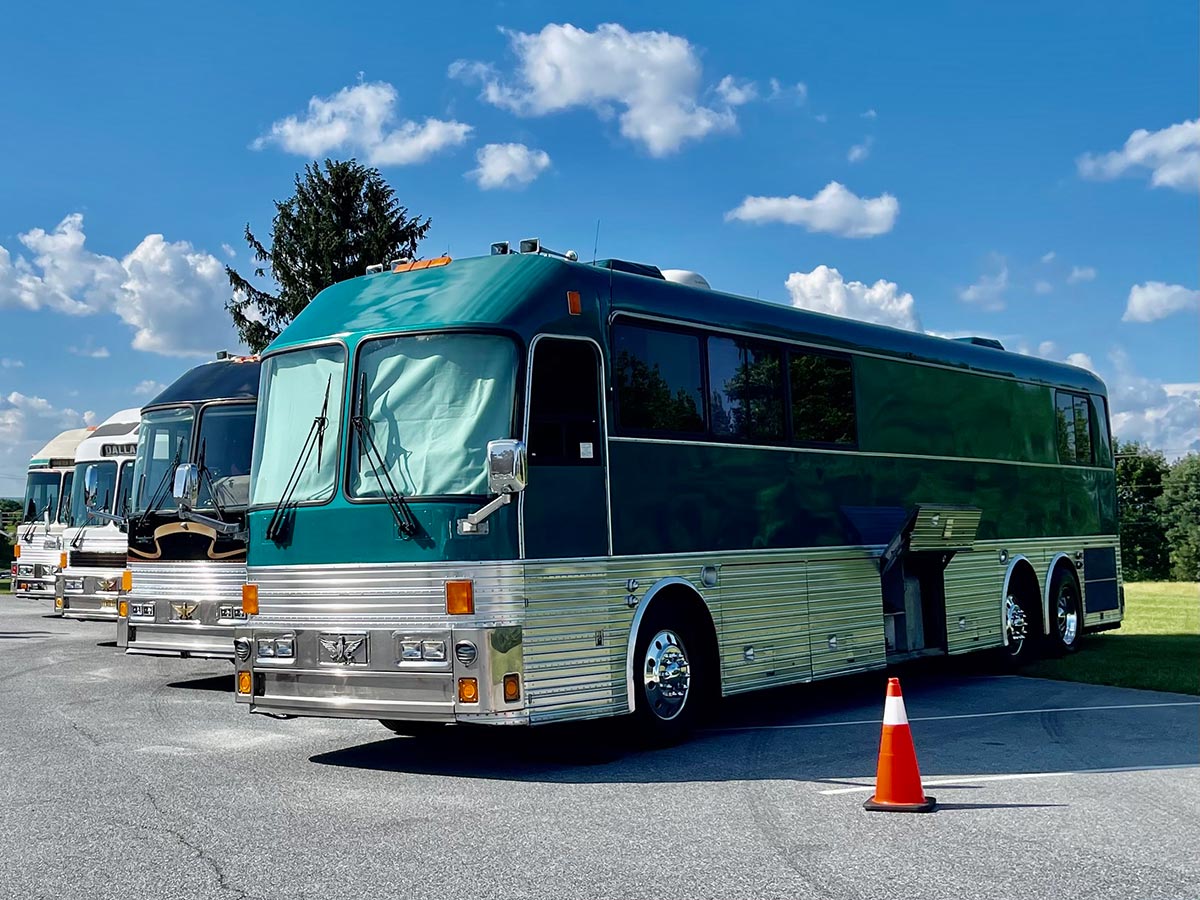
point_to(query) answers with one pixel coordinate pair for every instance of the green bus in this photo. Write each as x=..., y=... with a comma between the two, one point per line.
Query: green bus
x=520, y=489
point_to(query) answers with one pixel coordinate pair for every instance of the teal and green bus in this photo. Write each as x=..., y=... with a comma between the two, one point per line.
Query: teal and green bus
x=520, y=489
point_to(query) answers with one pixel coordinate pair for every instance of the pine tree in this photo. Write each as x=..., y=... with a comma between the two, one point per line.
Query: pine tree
x=1180, y=503
x=342, y=218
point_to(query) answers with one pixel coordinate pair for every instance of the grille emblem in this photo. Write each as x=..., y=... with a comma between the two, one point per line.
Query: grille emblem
x=184, y=611
x=343, y=650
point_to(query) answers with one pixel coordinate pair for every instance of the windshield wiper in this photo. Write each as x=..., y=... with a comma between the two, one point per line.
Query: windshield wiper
x=33, y=521
x=406, y=522
x=212, y=488
x=160, y=492
x=315, y=438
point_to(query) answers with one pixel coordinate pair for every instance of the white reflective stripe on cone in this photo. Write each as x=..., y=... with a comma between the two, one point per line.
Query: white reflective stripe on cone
x=893, y=711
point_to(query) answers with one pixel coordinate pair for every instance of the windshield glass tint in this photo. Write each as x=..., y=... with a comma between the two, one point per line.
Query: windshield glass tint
x=433, y=402
x=41, y=493
x=64, y=509
x=163, y=434
x=293, y=391
x=226, y=443
x=125, y=488
x=106, y=489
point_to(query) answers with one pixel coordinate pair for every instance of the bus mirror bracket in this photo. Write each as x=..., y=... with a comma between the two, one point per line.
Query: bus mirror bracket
x=508, y=473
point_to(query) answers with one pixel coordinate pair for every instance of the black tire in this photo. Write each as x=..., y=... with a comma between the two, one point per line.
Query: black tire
x=661, y=716
x=1022, y=625
x=1066, y=612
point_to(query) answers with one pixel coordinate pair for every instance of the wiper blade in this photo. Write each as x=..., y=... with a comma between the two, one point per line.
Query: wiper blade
x=212, y=488
x=160, y=492
x=315, y=439
x=406, y=522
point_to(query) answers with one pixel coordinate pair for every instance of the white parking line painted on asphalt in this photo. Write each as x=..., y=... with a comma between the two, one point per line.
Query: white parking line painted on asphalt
x=985, y=715
x=1019, y=776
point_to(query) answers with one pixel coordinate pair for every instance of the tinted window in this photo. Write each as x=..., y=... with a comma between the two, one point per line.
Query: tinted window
x=226, y=444
x=658, y=380
x=1074, y=428
x=564, y=405
x=745, y=390
x=822, y=399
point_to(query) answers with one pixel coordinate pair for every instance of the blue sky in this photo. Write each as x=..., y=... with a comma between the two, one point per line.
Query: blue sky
x=1000, y=185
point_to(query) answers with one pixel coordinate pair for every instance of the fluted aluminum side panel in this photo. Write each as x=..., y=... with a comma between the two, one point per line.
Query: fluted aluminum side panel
x=383, y=595
x=764, y=615
x=974, y=585
x=574, y=660
x=845, y=611
x=195, y=581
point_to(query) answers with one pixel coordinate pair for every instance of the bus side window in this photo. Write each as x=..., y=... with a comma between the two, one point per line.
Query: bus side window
x=822, y=399
x=1074, y=428
x=745, y=390
x=658, y=379
x=564, y=404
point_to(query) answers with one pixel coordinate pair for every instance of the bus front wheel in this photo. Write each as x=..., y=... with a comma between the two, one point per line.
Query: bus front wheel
x=1022, y=627
x=669, y=677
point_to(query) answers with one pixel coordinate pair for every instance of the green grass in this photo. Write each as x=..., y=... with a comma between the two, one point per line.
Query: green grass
x=1157, y=647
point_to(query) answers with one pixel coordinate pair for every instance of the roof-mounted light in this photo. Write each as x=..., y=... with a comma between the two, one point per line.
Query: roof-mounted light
x=501, y=248
x=375, y=269
x=534, y=245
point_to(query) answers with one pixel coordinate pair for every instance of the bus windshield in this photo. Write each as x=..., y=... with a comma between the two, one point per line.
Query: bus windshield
x=297, y=387
x=41, y=494
x=431, y=404
x=226, y=441
x=164, y=433
x=106, y=483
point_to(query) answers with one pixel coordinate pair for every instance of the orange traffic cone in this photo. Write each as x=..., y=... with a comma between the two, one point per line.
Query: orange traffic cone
x=897, y=781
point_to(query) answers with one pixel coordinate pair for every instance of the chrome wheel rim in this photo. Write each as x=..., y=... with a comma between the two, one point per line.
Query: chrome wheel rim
x=666, y=675
x=1015, y=624
x=1068, y=616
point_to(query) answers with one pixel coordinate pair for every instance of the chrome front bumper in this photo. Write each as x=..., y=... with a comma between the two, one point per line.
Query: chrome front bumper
x=374, y=681
x=181, y=639
x=92, y=596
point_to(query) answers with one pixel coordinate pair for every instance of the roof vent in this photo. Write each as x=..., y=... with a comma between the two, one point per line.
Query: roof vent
x=623, y=265
x=688, y=277
x=981, y=342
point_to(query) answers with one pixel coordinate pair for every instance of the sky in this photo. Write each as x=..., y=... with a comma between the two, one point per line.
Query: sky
x=1024, y=171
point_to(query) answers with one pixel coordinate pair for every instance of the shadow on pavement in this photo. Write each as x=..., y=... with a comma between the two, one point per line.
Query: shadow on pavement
x=221, y=684
x=106, y=644
x=25, y=635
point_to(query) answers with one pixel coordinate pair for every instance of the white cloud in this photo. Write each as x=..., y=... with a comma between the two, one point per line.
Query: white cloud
x=26, y=424
x=1160, y=416
x=148, y=388
x=89, y=351
x=1172, y=155
x=1082, y=360
x=652, y=77
x=1042, y=287
x=988, y=292
x=1049, y=256
x=7, y=363
x=362, y=120
x=737, y=92
x=1047, y=349
x=859, y=152
x=822, y=118
x=870, y=114
x=834, y=210
x=508, y=166
x=781, y=91
x=824, y=290
x=171, y=294
x=229, y=251
x=1155, y=300
x=1081, y=273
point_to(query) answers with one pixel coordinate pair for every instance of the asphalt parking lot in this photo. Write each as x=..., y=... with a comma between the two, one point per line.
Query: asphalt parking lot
x=139, y=777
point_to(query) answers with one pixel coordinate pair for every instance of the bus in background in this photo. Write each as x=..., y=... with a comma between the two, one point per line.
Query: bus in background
x=187, y=520
x=521, y=489
x=39, y=555
x=95, y=540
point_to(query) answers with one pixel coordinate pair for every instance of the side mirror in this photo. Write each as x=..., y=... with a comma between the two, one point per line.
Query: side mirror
x=91, y=484
x=187, y=485
x=507, y=466
x=46, y=516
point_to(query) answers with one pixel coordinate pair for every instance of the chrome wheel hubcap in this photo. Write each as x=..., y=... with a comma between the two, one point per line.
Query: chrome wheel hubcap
x=1016, y=624
x=666, y=675
x=1068, y=617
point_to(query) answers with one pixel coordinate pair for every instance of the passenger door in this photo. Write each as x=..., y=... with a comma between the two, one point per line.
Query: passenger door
x=565, y=507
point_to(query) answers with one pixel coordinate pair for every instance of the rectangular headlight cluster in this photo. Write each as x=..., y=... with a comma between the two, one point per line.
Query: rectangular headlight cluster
x=282, y=647
x=73, y=585
x=142, y=609
x=428, y=651
x=232, y=612
x=25, y=570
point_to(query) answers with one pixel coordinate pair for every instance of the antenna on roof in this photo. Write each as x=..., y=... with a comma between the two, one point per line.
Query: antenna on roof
x=596, y=246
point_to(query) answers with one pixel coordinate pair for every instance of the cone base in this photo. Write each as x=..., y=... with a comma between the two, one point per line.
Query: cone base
x=874, y=805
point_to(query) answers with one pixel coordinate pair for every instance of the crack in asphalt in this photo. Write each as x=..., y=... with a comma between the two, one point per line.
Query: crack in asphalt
x=223, y=883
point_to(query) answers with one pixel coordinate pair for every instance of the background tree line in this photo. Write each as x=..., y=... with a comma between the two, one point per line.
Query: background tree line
x=1159, y=506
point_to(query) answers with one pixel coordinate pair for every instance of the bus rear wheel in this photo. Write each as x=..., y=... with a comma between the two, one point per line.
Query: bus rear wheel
x=670, y=677
x=1021, y=627
x=1066, y=613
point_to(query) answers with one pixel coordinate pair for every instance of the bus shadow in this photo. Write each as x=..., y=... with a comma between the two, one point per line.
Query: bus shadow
x=218, y=684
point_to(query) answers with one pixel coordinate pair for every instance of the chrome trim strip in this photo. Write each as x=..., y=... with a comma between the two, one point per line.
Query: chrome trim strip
x=878, y=454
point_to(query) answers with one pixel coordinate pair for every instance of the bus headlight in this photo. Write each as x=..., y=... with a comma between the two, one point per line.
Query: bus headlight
x=73, y=585
x=281, y=647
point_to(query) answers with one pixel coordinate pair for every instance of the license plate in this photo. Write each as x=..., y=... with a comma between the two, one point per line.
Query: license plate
x=108, y=604
x=49, y=544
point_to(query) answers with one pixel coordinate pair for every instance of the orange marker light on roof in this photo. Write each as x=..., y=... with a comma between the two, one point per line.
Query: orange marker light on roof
x=417, y=264
x=574, y=305
x=460, y=598
x=250, y=599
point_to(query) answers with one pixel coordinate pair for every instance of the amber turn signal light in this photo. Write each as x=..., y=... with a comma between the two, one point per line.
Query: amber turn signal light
x=62, y=560
x=16, y=551
x=250, y=599
x=245, y=681
x=468, y=690
x=460, y=598
x=512, y=687
x=123, y=608
x=126, y=581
